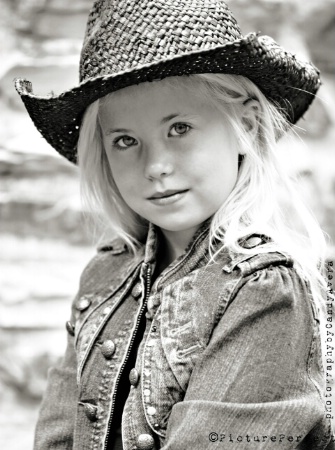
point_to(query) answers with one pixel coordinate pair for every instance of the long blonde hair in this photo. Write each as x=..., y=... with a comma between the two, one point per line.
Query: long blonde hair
x=264, y=199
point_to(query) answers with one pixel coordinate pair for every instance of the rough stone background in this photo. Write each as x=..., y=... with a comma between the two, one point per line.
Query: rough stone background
x=43, y=243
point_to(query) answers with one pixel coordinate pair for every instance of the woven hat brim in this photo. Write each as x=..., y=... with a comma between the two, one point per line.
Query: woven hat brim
x=289, y=83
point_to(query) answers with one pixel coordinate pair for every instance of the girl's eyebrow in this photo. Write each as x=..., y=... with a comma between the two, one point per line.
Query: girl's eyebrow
x=117, y=130
x=164, y=120
x=170, y=117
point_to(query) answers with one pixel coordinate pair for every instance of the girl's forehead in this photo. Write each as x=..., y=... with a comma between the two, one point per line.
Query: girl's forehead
x=173, y=88
x=170, y=95
x=152, y=105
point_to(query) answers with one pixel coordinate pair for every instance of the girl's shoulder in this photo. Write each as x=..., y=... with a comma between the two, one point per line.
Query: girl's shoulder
x=112, y=262
x=259, y=254
x=270, y=268
x=272, y=277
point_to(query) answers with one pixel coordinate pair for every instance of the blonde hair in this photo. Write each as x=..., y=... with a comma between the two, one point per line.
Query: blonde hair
x=264, y=199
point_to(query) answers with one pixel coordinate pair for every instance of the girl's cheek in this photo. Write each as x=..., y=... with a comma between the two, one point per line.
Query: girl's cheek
x=118, y=163
x=125, y=181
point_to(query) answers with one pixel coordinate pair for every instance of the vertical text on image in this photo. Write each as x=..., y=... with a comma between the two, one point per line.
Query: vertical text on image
x=330, y=337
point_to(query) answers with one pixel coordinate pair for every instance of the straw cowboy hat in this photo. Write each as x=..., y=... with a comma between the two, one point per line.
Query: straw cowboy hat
x=132, y=41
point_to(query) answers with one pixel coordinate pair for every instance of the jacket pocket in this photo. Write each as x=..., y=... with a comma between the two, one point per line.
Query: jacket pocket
x=181, y=335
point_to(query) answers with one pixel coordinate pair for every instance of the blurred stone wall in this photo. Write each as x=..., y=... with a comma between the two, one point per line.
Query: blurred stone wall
x=44, y=244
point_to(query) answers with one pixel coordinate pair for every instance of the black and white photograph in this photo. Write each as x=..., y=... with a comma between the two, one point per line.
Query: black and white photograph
x=167, y=225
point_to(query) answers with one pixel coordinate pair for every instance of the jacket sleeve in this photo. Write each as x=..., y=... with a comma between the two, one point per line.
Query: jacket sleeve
x=259, y=382
x=55, y=426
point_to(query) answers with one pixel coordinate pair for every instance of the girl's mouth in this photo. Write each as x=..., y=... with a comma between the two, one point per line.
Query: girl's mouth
x=167, y=197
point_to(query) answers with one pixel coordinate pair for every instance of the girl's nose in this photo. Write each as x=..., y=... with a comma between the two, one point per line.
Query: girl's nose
x=158, y=164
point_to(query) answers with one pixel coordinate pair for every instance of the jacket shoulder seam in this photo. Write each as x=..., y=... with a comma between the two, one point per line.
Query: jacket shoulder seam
x=115, y=247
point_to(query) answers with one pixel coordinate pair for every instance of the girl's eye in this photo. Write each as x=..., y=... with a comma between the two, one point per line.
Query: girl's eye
x=124, y=142
x=180, y=129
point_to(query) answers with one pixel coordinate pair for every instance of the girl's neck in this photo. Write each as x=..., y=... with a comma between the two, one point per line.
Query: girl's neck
x=172, y=245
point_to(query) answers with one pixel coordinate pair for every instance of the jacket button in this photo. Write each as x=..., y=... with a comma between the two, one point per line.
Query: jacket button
x=145, y=442
x=252, y=242
x=137, y=290
x=91, y=412
x=70, y=328
x=82, y=304
x=134, y=376
x=151, y=411
x=108, y=349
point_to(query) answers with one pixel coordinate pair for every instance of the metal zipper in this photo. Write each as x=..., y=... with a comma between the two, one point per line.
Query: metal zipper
x=147, y=292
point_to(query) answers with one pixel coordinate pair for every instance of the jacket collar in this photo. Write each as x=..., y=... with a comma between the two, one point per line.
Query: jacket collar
x=195, y=255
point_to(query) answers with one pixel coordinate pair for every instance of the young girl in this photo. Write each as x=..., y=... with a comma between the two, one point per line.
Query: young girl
x=198, y=326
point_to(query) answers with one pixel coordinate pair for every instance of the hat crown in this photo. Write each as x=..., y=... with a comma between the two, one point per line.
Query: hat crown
x=128, y=42
x=127, y=34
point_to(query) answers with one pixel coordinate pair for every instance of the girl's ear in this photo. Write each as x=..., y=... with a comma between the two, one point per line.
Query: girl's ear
x=250, y=117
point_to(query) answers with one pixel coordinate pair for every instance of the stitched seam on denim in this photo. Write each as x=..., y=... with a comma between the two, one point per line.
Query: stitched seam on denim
x=241, y=259
x=129, y=282
x=145, y=379
x=180, y=333
x=94, y=437
x=224, y=301
x=188, y=351
x=93, y=338
x=181, y=330
x=146, y=383
x=245, y=268
x=235, y=259
x=108, y=295
x=128, y=424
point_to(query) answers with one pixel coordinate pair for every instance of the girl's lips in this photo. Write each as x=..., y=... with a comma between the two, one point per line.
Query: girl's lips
x=167, y=197
x=166, y=193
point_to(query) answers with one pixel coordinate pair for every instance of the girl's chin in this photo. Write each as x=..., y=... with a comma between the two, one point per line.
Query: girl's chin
x=179, y=227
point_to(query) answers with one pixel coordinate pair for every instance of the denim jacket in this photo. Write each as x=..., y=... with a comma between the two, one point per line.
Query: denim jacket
x=230, y=357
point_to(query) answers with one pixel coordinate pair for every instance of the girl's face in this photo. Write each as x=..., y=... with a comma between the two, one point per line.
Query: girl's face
x=173, y=156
